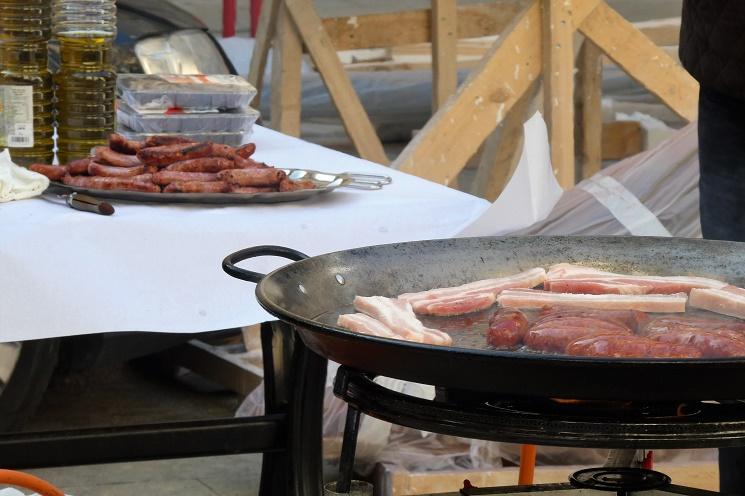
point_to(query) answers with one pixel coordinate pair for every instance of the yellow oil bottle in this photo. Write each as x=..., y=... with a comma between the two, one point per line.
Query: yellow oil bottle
x=85, y=90
x=26, y=103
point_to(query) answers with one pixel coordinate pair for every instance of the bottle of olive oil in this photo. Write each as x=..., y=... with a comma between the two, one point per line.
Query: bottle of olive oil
x=85, y=86
x=26, y=121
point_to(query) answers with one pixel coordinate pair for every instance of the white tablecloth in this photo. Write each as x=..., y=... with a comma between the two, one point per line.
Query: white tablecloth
x=157, y=267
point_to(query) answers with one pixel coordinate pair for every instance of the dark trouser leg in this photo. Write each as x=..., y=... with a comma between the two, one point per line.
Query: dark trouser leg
x=721, y=130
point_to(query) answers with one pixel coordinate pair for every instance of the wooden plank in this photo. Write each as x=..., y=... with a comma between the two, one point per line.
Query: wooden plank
x=558, y=86
x=642, y=60
x=456, y=131
x=415, y=26
x=502, y=150
x=589, y=99
x=353, y=115
x=444, y=52
x=286, y=76
x=264, y=36
x=621, y=139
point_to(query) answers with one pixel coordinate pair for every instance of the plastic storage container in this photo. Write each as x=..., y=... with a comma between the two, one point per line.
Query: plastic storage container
x=178, y=123
x=85, y=86
x=26, y=121
x=232, y=139
x=163, y=92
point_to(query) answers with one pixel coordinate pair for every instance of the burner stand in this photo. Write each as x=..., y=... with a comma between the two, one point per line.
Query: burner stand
x=620, y=480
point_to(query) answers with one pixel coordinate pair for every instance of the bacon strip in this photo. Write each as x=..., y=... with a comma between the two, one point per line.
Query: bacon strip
x=571, y=278
x=364, y=324
x=729, y=300
x=470, y=297
x=529, y=298
x=400, y=318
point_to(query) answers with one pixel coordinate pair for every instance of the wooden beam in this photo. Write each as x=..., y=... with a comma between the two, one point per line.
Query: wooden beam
x=286, y=76
x=589, y=98
x=558, y=86
x=642, y=60
x=444, y=51
x=621, y=139
x=415, y=26
x=264, y=36
x=502, y=150
x=353, y=115
x=456, y=131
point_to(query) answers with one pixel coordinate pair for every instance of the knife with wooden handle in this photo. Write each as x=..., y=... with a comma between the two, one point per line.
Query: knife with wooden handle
x=87, y=203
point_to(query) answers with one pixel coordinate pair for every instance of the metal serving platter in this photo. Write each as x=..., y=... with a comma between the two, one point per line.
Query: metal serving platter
x=325, y=183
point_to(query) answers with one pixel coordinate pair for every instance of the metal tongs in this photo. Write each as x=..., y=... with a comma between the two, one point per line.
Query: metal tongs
x=363, y=181
x=86, y=203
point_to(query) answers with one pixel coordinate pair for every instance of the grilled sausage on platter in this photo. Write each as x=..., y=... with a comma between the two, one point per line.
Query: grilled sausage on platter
x=290, y=185
x=168, y=154
x=96, y=169
x=253, y=177
x=166, y=177
x=120, y=144
x=507, y=328
x=53, y=172
x=252, y=189
x=106, y=155
x=138, y=183
x=207, y=164
x=198, y=187
x=247, y=150
x=152, y=141
x=78, y=167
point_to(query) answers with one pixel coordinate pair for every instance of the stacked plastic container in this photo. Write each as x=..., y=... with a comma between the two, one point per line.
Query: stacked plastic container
x=26, y=123
x=203, y=108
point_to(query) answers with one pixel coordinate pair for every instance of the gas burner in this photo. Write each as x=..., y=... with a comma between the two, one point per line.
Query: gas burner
x=619, y=479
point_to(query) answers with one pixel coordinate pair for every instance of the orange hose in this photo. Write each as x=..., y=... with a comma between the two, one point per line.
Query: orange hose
x=28, y=481
x=527, y=464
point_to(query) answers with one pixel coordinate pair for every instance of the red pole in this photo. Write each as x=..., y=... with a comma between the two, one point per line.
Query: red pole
x=255, y=14
x=229, y=13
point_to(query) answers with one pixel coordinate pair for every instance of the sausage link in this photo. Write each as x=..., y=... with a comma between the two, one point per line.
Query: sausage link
x=169, y=154
x=198, y=187
x=247, y=150
x=253, y=177
x=252, y=189
x=96, y=169
x=208, y=164
x=629, y=347
x=106, y=155
x=152, y=141
x=137, y=183
x=53, y=172
x=166, y=177
x=290, y=185
x=120, y=144
x=78, y=167
x=556, y=339
x=507, y=328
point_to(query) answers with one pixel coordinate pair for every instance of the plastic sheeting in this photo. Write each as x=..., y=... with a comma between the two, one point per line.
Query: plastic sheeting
x=655, y=192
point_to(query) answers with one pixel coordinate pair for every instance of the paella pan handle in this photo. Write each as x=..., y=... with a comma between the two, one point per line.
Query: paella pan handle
x=229, y=263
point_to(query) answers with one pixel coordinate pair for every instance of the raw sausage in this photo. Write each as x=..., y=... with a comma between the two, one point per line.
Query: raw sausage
x=137, y=183
x=555, y=339
x=120, y=144
x=108, y=156
x=253, y=177
x=53, y=172
x=198, y=187
x=166, y=177
x=629, y=347
x=507, y=327
x=208, y=164
x=710, y=344
x=96, y=169
x=168, y=154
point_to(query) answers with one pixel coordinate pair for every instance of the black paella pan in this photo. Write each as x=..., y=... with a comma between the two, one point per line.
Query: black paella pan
x=311, y=293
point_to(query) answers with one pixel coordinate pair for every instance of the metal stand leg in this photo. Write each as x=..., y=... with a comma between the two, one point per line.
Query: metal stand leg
x=348, y=447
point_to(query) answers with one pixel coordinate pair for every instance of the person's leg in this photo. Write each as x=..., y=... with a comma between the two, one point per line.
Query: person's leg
x=721, y=129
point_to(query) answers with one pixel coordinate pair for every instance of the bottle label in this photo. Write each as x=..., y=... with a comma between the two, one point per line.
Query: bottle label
x=17, y=116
